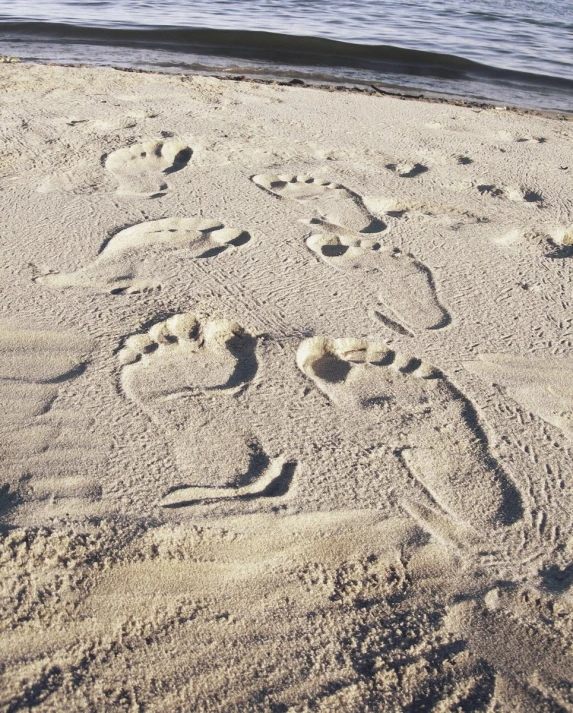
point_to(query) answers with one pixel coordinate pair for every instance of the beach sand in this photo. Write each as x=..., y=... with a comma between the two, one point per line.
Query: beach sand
x=287, y=399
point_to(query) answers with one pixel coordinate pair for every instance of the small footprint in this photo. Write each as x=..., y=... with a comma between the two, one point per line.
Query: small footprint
x=490, y=189
x=405, y=286
x=115, y=268
x=436, y=429
x=140, y=170
x=331, y=202
x=407, y=170
x=189, y=376
x=530, y=139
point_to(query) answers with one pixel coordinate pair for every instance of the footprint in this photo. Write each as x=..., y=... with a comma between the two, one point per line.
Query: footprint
x=115, y=268
x=405, y=286
x=561, y=242
x=530, y=139
x=407, y=170
x=189, y=376
x=140, y=170
x=489, y=189
x=435, y=429
x=331, y=202
x=344, y=214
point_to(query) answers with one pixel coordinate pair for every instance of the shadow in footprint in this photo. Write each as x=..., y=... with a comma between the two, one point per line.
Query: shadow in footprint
x=557, y=580
x=532, y=197
x=278, y=487
x=181, y=159
x=559, y=252
x=490, y=189
x=407, y=171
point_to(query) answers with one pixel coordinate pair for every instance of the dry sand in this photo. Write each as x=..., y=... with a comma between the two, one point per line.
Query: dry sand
x=287, y=399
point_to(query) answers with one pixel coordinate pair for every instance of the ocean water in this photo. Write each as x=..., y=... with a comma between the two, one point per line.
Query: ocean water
x=514, y=52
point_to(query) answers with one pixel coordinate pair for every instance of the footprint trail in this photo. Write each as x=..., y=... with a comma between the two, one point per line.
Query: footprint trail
x=405, y=286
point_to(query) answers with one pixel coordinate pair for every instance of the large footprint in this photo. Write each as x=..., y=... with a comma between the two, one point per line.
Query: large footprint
x=405, y=286
x=115, y=268
x=331, y=202
x=435, y=429
x=189, y=376
x=140, y=169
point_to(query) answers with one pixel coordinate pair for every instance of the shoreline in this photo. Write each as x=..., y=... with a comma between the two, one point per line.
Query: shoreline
x=353, y=87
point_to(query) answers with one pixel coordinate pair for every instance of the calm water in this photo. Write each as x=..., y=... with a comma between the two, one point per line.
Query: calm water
x=509, y=51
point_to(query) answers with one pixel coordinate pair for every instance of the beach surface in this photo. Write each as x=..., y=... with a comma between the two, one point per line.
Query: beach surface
x=286, y=379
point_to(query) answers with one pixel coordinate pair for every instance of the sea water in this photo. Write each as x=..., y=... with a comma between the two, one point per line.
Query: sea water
x=517, y=52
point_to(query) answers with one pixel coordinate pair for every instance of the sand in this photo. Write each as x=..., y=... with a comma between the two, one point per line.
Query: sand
x=287, y=399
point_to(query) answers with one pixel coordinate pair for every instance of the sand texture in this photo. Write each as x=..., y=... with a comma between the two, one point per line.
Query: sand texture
x=286, y=386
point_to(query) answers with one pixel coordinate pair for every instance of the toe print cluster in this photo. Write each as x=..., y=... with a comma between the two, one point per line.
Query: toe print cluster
x=216, y=354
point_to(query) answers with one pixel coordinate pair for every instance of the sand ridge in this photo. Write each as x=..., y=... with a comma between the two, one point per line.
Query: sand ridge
x=286, y=399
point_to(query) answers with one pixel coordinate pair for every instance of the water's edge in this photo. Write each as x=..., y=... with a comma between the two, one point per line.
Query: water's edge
x=272, y=54
x=300, y=50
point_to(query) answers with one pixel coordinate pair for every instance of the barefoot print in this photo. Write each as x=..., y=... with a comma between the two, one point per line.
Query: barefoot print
x=330, y=202
x=189, y=377
x=436, y=429
x=116, y=268
x=406, y=287
x=140, y=170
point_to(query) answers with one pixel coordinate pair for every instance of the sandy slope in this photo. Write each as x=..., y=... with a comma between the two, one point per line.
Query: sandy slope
x=286, y=383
